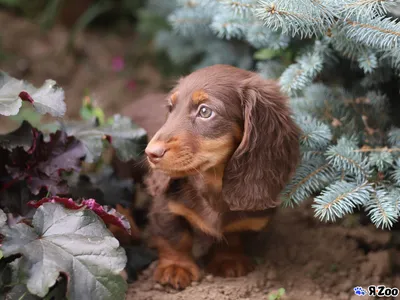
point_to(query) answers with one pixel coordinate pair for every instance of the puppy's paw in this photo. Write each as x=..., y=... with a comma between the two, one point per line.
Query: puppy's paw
x=178, y=275
x=230, y=266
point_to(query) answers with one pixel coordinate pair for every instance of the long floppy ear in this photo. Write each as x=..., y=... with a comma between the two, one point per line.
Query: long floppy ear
x=268, y=154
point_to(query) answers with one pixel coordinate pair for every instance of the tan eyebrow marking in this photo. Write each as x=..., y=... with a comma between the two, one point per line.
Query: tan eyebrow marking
x=199, y=96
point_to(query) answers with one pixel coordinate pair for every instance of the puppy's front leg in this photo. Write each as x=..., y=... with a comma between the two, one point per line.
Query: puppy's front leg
x=228, y=259
x=176, y=265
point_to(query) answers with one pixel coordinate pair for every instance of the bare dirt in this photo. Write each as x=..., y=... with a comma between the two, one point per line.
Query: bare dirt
x=309, y=259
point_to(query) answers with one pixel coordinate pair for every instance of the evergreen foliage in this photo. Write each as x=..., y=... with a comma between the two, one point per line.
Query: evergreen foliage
x=338, y=61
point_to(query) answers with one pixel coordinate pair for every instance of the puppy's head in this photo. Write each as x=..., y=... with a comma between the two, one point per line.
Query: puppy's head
x=225, y=118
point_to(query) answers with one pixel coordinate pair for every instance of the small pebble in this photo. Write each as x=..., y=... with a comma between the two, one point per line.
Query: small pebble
x=172, y=291
x=158, y=287
x=318, y=294
x=194, y=283
x=145, y=287
x=209, y=278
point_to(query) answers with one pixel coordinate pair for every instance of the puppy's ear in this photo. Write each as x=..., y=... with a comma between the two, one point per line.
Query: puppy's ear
x=157, y=183
x=268, y=154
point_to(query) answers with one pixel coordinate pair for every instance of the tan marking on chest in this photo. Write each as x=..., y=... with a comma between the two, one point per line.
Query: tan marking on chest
x=193, y=218
x=213, y=177
x=248, y=224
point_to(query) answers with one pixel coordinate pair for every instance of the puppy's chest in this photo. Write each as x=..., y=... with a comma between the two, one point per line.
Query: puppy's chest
x=199, y=212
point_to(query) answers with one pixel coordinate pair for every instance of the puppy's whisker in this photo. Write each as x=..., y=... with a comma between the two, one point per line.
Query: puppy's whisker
x=140, y=163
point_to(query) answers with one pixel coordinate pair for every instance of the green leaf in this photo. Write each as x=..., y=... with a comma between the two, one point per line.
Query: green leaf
x=89, y=111
x=75, y=242
x=49, y=98
x=13, y=3
x=27, y=114
x=266, y=53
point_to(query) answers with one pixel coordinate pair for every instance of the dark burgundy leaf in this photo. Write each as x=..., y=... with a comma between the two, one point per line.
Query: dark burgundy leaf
x=14, y=197
x=104, y=186
x=42, y=167
x=67, y=202
x=4, y=176
x=107, y=214
x=23, y=137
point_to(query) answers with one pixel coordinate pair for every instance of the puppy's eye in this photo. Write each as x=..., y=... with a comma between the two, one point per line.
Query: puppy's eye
x=205, y=112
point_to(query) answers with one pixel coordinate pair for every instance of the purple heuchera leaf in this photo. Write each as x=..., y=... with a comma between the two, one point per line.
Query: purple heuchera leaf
x=42, y=165
x=107, y=214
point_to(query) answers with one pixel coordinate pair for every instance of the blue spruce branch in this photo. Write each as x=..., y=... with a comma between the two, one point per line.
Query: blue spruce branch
x=340, y=199
x=356, y=9
x=310, y=177
x=343, y=156
x=383, y=207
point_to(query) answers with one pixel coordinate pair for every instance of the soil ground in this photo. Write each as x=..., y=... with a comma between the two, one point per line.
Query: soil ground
x=310, y=259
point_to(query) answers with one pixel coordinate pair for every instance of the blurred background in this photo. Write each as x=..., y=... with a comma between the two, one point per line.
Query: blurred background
x=101, y=48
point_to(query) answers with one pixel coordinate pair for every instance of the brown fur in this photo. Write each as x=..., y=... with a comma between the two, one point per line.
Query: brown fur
x=199, y=96
x=192, y=217
x=176, y=266
x=222, y=175
x=227, y=258
x=253, y=224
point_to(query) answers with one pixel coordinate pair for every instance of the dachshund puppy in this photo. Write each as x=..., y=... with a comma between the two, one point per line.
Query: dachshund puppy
x=219, y=163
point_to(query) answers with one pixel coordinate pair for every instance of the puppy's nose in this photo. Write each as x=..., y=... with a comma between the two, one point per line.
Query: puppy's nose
x=155, y=152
